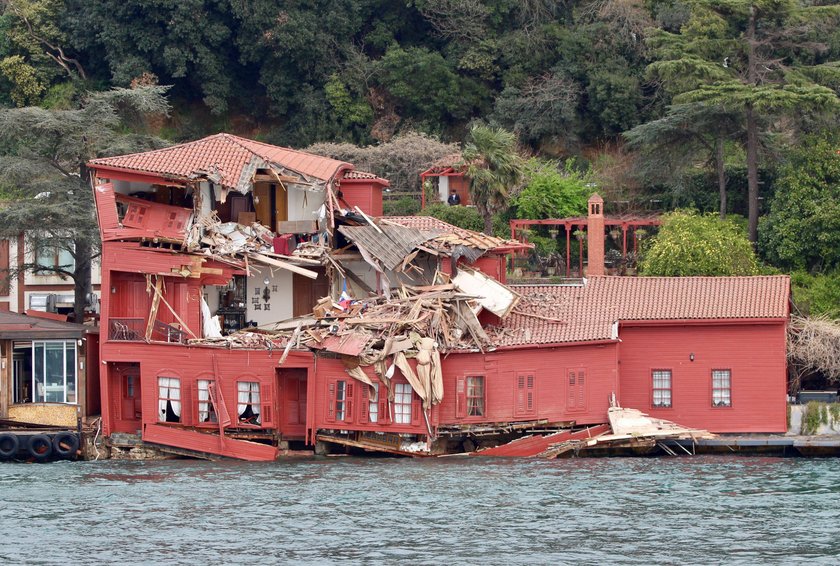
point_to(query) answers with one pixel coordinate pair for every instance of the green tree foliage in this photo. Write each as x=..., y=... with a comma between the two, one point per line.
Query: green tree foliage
x=184, y=42
x=689, y=243
x=461, y=216
x=816, y=294
x=671, y=147
x=759, y=57
x=550, y=192
x=44, y=178
x=802, y=230
x=494, y=168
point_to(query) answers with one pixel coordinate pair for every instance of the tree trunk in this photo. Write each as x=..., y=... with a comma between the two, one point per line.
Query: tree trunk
x=488, y=223
x=720, y=167
x=81, y=279
x=82, y=252
x=752, y=134
x=752, y=173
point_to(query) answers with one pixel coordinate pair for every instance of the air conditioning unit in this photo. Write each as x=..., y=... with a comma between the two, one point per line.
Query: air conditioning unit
x=65, y=301
x=42, y=302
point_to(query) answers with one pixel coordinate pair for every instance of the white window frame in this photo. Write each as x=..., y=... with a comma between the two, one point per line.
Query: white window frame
x=403, y=397
x=721, y=388
x=662, y=388
x=206, y=411
x=248, y=393
x=169, y=390
x=373, y=404
x=41, y=390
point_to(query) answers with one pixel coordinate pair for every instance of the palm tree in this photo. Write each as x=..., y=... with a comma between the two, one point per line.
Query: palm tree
x=494, y=167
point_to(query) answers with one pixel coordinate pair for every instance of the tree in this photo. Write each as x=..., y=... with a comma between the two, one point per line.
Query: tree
x=673, y=144
x=45, y=182
x=758, y=57
x=802, y=230
x=550, y=192
x=494, y=168
x=462, y=216
x=689, y=243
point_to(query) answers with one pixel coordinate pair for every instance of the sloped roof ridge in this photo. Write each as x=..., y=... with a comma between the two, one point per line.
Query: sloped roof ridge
x=245, y=143
x=167, y=149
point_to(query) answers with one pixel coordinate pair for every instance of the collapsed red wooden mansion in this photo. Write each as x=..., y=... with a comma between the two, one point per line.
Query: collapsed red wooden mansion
x=255, y=299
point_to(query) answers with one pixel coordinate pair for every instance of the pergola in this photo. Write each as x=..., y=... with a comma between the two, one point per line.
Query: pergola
x=519, y=228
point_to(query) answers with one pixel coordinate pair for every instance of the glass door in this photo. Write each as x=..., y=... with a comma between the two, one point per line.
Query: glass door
x=54, y=371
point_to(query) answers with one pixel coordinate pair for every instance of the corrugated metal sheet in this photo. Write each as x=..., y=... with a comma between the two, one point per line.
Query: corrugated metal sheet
x=450, y=236
x=392, y=246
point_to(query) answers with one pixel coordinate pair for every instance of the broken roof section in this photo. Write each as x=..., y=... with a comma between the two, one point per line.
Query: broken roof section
x=229, y=161
x=449, y=236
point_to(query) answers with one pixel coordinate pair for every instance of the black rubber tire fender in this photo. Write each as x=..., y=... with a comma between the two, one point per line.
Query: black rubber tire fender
x=9, y=445
x=65, y=444
x=40, y=447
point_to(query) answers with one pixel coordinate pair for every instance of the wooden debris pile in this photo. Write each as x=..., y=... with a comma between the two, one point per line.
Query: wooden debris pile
x=235, y=244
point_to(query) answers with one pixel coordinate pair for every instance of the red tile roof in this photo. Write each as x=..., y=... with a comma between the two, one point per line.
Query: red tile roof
x=362, y=175
x=589, y=311
x=225, y=154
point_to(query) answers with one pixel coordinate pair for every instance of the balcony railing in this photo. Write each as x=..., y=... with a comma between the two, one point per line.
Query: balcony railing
x=126, y=329
x=134, y=330
x=163, y=332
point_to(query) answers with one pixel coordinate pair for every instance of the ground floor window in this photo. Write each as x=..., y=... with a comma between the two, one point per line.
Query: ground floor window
x=169, y=399
x=721, y=388
x=44, y=371
x=402, y=403
x=206, y=410
x=475, y=396
x=373, y=403
x=661, y=388
x=249, y=402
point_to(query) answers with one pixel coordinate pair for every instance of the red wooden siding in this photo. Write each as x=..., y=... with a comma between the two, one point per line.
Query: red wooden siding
x=366, y=194
x=754, y=353
x=106, y=210
x=209, y=443
x=322, y=399
x=506, y=402
x=529, y=446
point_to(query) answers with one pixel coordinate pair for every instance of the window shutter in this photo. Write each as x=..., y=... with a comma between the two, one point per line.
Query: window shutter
x=266, y=406
x=383, y=408
x=581, y=388
x=570, y=395
x=331, y=402
x=363, y=412
x=416, y=408
x=461, y=398
x=520, y=395
x=348, y=403
x=193, y=402
x=530, y=396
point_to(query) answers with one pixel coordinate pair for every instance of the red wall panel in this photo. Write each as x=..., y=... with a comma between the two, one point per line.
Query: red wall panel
x=367, y=195
x=549, y=368
x=755, y=354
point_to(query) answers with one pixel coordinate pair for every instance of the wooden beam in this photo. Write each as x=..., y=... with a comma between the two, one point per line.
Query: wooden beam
x=283, y=264
x=155, y=304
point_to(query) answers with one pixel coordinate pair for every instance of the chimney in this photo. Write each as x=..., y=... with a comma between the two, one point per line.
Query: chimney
x=595, y=236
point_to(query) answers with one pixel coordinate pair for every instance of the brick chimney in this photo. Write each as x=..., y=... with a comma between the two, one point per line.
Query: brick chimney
x=595, y=236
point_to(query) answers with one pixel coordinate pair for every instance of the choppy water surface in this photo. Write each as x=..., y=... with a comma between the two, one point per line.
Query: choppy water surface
x=699, y=510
